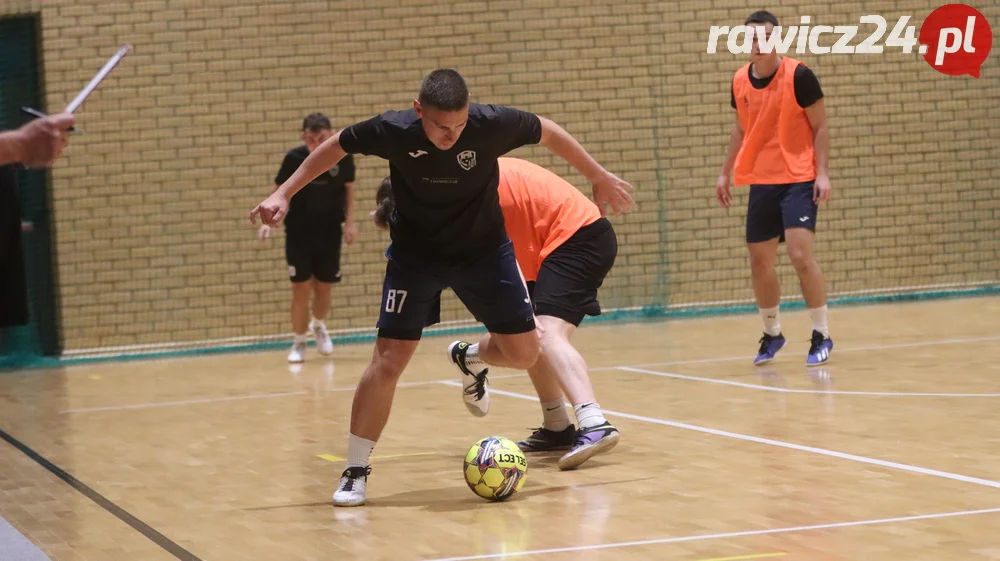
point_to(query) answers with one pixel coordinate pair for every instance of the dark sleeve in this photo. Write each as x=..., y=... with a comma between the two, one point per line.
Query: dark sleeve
x=807, y=90
x=288, y=167
x=347, y=169
x=515, y=128
x=367, y=137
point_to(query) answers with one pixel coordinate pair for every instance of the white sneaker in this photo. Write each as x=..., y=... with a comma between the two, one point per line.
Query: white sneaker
x=353, y=484
x=298, y=352
x=475, y=394
x=323, y=343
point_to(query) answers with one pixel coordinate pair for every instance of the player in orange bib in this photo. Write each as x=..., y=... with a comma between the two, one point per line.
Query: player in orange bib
x=779, y=146
x=565, y=249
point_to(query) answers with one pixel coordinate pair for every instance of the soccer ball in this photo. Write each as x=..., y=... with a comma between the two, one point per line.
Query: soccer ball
x=495, y=468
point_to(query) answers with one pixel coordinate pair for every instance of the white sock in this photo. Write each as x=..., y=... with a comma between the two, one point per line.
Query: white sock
x=318, y=323
x=589, y=415
x=472, y=356
x=301, y=338
x=770, y=318
x=554, y=415
x=358, y=451
x=818, y=316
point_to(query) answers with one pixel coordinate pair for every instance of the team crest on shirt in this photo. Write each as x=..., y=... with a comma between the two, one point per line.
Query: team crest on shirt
x=467, y=159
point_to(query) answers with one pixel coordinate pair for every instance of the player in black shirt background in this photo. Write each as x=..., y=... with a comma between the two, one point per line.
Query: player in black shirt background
x=317, y=220
x=447, y=232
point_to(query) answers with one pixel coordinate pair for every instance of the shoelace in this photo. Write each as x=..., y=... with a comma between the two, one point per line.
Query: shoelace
x=765, y=342
x=816, y=342
x=479, y=389
x=353, y=474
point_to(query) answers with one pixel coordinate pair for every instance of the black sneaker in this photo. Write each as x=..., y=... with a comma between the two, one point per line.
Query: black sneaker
x=543, y=440
x=353, y=484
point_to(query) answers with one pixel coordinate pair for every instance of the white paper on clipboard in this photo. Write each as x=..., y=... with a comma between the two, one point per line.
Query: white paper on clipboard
x=101, y=75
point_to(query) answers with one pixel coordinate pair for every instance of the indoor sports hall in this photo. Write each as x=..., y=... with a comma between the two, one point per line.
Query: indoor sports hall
x=149, y=410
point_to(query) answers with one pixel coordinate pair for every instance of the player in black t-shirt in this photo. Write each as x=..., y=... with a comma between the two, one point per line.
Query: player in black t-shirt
x=313, y=231
x=448, y=232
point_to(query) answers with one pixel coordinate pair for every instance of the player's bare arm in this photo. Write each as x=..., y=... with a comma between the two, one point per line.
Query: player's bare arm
x=722, y=192
x=350, y=227
x=816, y=113
x=609, y=189
x=275, y=207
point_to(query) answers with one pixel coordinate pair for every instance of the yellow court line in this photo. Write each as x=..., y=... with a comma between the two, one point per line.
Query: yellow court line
x=746, y=557
x=332, y=458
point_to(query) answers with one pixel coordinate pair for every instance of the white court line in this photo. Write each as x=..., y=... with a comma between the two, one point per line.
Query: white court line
x=778, y=443
x=183, y=402
x=407, y=384
x=252, y=396
x=848, y=350
x=616, y=545
x=786, y=390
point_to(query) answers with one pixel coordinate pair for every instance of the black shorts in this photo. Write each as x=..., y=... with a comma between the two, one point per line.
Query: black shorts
x=312, y=250
x=775, y=208
x=491, y=288
x=569, y=277
x=13, y=285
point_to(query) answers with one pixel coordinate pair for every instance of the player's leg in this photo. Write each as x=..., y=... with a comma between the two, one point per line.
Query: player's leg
x=408, y=299
x=565, y=292
x=369, y=415
x=800, y=213
x=326, y=273
x=493, y=290
x=764, y=231
x=299, y=260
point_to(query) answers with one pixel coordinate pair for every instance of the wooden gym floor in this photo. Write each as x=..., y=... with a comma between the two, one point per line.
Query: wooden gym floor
x=891, y=452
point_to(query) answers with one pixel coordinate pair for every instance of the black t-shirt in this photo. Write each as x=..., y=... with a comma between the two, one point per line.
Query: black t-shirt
x=324, y=199
x=807, y=90
x=447, y=205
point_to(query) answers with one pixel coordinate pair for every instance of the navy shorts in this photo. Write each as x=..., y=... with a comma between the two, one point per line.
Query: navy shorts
x=491, y=288
x=775, y=208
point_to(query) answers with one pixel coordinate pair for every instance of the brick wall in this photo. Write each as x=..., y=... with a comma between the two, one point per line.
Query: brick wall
x=185, y=138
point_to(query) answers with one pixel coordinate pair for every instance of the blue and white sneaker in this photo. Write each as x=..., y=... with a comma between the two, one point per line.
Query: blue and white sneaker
x=769, y=346
x=819, y=349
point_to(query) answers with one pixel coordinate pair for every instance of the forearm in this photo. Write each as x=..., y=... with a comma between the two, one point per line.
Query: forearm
x=562, y=144
x=349, y=207
x=10, y=148
x=319, y=161
x=735, y=143
x=821, y=147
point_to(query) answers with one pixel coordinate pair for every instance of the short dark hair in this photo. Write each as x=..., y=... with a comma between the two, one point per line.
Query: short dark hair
x=762, y=16
x=444, y=89
x=385, y=204
x=316, y=122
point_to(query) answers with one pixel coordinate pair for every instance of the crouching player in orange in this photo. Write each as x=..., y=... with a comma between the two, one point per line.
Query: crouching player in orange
x=565, y=248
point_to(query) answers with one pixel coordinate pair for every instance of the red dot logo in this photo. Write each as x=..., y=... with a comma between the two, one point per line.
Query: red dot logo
x=956, y=39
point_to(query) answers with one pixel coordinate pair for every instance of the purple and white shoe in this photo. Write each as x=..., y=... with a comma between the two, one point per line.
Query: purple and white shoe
x=590, y=442
x=769, y=346
x=819, y=349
